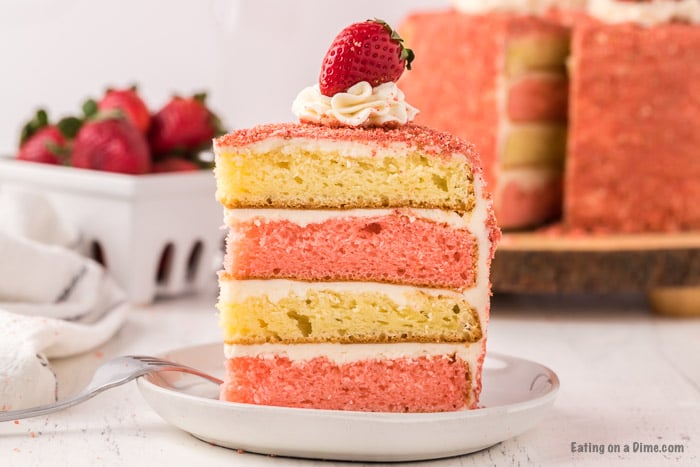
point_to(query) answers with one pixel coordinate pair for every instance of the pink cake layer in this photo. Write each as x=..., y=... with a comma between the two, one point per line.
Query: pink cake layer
x=521, y=206
x=424, y=384
x=633, y=163
x=537, y=98
x=394, y=248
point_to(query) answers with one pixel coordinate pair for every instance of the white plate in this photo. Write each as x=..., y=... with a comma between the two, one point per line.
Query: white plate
x=516, y=395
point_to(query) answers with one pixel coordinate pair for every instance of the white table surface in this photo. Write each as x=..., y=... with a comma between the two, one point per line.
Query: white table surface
x=627, y=375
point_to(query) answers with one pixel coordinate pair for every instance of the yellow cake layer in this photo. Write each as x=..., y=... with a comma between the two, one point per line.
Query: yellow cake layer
x=293, y=177
x=325, y=315
x=535, y=145
x=537, y=53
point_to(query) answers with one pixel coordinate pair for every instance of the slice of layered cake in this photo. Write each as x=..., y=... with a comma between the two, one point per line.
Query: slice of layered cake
x=494, y=73
x=357, y=266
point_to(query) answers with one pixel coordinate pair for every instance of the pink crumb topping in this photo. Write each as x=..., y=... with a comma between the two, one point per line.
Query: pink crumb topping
x=425, y=139
x=425, y=384
x=396, y=248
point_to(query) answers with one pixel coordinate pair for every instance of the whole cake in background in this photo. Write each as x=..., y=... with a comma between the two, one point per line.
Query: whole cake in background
x=502, y=85
x=357, y=265
x=584, y=113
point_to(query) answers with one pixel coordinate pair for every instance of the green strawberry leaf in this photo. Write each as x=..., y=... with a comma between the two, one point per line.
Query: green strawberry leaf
x=61, y=151
x=69, y=126
x=217, y=124
x=408, y=55
x=89, y=108
x=42, y=118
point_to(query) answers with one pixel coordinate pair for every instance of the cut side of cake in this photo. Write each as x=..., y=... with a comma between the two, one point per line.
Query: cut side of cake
x=501, y=84
x=357, y=267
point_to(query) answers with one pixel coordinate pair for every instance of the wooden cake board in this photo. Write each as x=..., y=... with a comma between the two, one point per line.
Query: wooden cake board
x=666, y=267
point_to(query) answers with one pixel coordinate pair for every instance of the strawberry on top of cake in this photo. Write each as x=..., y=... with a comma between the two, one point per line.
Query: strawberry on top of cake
x=357, y=83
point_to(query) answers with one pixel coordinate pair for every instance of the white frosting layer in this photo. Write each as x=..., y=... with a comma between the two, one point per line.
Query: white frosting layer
x=533, y=7
x=236, y=291
x=347, y=353
x=361, y=105
x=647, y=13
x=478, y=296
x=304, y=217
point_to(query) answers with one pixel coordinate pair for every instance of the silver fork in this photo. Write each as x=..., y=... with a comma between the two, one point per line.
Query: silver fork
x=112, y=373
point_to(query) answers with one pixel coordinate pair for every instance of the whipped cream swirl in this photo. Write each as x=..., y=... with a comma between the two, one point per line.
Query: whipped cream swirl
x=361, y=105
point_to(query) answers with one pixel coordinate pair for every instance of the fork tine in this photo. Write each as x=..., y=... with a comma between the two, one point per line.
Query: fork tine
x=162, y=363
x=150, y=360
x=158, y=362
x=142, y=357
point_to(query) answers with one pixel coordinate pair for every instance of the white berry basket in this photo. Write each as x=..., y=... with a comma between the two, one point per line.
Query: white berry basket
x=158, y=235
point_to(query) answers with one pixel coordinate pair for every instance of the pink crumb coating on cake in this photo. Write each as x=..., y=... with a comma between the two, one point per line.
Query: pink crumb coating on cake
x=633, y=163
x=395, y=248
x=427, y=140
x=423, y=384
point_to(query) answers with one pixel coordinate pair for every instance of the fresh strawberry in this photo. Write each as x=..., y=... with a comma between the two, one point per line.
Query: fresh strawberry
x=174, y=164
x=369, y=51
x=183, y=125
x=112, y=145
x=41, y=141
x=130, y=104
x=46, y=145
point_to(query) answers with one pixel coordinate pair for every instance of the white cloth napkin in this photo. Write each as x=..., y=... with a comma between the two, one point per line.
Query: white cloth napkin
x=53, y=301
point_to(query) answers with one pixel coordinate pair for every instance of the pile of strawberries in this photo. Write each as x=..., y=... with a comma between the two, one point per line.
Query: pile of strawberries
x=118, y=133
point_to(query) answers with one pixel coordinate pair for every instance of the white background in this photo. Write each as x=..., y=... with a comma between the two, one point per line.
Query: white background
x=252, y=56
